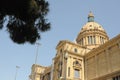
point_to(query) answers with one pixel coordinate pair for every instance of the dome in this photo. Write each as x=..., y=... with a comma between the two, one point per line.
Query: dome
x=92, y=34
x=92, y=26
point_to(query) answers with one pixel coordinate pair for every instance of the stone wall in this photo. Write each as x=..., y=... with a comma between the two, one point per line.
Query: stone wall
x=103, y=61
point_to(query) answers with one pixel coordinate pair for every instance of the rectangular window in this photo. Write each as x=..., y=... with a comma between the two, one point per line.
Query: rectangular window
x=101, y=40
x=68, y=71
x=118, y=45
x=75, y=50
x=113, y=78
x=91, y=41
x=82, y=41
x=119, y=77
x=88, y=40
x=76, y=73
x=94, y=40
x=116, y=78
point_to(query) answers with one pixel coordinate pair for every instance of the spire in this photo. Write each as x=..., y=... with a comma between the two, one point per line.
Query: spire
x=90, y=17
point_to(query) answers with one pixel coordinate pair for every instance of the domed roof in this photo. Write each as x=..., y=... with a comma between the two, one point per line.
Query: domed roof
x=92, y=34
x=92, y=26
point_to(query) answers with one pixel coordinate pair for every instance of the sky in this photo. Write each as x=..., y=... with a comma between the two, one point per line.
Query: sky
x=67, y=18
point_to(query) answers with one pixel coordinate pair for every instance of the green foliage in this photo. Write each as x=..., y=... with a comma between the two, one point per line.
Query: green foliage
x=27, y=18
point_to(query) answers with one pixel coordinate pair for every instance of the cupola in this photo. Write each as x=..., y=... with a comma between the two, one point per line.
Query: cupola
x=90, y=17
x=92, y=34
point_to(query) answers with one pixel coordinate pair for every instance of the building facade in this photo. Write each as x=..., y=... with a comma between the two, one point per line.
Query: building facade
x=91, y=57
x=36, y=72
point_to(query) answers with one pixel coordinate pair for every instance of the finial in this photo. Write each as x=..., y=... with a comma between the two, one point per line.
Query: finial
x=90, y=14
x=90, y=17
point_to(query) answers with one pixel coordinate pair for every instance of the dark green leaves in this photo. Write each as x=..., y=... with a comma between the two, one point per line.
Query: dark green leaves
x=27, y=18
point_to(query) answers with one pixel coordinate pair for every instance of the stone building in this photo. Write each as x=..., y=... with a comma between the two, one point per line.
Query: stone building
x=36, y=72
x=91, y=57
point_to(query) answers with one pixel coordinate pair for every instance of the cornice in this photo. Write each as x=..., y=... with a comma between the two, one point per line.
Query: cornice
x=63, y=42
x=103, y=46
x=86, y=33
x=37, y=65
x=75, y=54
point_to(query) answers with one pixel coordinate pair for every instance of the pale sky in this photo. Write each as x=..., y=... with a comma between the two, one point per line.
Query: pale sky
x=67, y=18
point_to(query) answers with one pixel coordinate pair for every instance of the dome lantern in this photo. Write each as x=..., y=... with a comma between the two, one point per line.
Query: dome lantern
x=90, y=17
